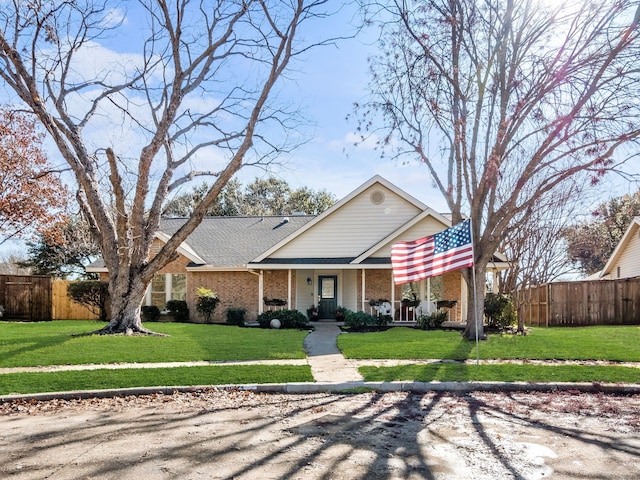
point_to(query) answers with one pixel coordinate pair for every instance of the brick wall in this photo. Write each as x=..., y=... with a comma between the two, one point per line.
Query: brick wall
x=275, y=284
x=452, y=290
x=377, y=285
x=235, y=290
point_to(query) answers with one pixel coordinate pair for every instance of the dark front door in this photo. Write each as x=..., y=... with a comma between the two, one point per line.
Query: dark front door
x=327, y=295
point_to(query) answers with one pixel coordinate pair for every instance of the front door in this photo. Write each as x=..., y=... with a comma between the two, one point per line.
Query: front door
x=327, y=296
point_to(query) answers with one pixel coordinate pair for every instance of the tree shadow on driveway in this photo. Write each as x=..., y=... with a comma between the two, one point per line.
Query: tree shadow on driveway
x=237, y=434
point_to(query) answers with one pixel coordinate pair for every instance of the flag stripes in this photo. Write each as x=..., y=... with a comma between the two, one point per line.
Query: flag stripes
x=451, y=249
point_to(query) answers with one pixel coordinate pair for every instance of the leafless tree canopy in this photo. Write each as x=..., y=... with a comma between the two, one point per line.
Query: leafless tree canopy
x=503, y=101
x=187, y=92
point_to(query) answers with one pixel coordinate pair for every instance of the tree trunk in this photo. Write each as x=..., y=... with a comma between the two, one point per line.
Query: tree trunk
x=125, y=300
x=475, y=312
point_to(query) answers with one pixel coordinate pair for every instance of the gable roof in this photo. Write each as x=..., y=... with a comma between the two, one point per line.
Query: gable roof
x=226, y=242
x=377, y=179
x=630, y=234
x=234, y=241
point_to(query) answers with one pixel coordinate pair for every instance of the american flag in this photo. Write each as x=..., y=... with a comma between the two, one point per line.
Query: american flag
x=451, y=249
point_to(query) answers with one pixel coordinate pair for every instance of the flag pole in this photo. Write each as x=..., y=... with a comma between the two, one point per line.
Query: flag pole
x=475, y=292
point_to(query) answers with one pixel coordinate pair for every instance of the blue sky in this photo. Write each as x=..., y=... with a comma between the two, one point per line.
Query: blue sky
x=325, y=84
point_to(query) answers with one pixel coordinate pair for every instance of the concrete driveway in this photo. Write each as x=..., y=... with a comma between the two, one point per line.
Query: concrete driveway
x=238, y=434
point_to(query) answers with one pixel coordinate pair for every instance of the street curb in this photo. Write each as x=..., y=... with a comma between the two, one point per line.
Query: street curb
x=344, y=387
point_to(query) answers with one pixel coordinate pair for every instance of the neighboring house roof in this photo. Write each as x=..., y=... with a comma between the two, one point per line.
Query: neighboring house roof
x=625, y=259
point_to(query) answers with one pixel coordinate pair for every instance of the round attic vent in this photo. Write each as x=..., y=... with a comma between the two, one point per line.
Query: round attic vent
x=377, y=197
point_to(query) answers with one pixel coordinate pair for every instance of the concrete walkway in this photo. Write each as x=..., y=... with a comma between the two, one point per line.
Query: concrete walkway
x=327, y=363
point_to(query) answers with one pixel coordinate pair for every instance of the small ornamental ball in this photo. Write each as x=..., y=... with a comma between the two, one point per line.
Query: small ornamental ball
x=275, y=323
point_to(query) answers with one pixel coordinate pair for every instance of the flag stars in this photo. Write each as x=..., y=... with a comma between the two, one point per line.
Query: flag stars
x=453, y=237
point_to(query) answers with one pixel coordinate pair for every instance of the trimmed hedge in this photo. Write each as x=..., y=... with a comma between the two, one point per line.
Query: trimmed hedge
x=179, y=310
x=362, y=321
x=236, y=316
x=288, y=319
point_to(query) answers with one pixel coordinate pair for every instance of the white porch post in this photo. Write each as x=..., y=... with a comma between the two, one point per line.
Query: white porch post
x=363, y=290
x=393, y=298
x=260, y=292
x=464, y=293
x=289, y=289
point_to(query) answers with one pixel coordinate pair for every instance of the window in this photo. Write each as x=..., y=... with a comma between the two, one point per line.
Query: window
x=158, y=291
x=165, y=287
x=178, y=286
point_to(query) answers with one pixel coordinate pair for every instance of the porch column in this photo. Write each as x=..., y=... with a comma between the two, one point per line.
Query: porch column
x=464, y=293
x=363, y=290
x=289, y=289
x=393, y=298
x=260, y=292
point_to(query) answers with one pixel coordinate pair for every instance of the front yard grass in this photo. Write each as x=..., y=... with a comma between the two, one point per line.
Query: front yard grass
x=456, y=372
x=617, y=344
x=58, y=343
x=62, y=343
x=64, y=381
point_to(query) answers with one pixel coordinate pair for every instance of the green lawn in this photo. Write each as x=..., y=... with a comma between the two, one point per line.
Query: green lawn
x=58, y=343
x=62, y=343
x=619, y=344
x=451, y=372
x=64, y=381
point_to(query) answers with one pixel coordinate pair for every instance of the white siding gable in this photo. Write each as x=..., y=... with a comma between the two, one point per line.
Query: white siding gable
x=353, y=228
x=628, y=262
x=427, y=226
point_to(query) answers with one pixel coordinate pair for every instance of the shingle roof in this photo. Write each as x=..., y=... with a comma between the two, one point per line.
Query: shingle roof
x=235, y=241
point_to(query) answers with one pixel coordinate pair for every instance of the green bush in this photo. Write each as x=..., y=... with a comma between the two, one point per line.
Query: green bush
x=431, y=321
x=93, y=294
x=235, y=316
x=288, y=319
x=207, y=302
x=499, y=311
x=364, y=321
x=150, y=313
x=179, y=310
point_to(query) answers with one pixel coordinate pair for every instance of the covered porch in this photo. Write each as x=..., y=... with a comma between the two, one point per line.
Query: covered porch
x=370, y=290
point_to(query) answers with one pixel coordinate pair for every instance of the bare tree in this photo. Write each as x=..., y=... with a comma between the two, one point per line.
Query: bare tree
x=503, y=101
x=195, y=84
x=10, y=264
x=537, y=249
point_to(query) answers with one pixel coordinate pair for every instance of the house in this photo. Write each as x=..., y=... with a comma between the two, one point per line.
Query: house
x=625, y=259
x=338, y=258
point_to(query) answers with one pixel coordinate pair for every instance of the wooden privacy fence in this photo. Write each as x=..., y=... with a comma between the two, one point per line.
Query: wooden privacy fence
x=66, y=309
x=600, y=302
x=26, y=297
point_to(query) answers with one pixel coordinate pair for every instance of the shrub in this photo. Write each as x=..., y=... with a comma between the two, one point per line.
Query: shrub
x=150, y=313
x=431, y=321
x=499, y=311
x=235, y=316
x=179, y=310
x=207, y=302
x=288, y=319
x=93, y=294
x=312, y=313
x=362, y=321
